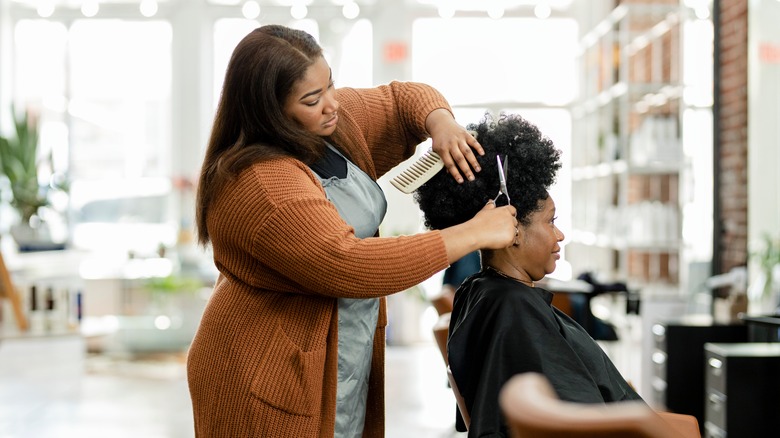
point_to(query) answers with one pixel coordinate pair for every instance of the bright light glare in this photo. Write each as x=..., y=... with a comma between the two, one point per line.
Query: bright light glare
x=90, y=8
x=350, y=10
x=45, y=9
x=250, y=10
x=162, y=322
x=542, y=11
x=148, y=8
x=299, y=12
x=495, y=12
x=446, y=11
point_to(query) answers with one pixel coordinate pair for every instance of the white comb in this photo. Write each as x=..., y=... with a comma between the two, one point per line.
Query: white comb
x=419, y=172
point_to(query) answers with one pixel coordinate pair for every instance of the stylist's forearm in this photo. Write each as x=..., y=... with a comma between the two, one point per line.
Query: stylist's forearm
x=436, y=118
x=459, y=241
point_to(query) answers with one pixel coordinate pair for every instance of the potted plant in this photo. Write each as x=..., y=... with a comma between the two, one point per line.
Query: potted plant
x=171, y=318
x=19, y=163
x=164, y=290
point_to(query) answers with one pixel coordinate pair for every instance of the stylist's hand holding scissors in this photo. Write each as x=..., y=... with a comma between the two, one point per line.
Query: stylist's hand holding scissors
x=491, y=228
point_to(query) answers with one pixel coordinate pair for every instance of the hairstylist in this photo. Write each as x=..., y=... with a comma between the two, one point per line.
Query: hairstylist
x=291, y=343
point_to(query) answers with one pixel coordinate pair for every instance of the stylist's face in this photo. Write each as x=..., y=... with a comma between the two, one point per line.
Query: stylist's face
x=312, y=102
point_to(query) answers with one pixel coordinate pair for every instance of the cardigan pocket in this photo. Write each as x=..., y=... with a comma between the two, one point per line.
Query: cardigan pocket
x=289, y=378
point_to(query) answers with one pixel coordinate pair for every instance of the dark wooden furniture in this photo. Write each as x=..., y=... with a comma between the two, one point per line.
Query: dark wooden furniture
x=743, y=390
x=8, y=291
x=763, y=328
x=678, y=362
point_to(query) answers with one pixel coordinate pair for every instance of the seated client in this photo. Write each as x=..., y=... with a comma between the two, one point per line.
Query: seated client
x=502, y=324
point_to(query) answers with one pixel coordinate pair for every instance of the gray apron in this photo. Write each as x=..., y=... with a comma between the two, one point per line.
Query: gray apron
x=362, y=204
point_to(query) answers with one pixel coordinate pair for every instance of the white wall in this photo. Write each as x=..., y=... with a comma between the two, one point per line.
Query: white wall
x=763, y=123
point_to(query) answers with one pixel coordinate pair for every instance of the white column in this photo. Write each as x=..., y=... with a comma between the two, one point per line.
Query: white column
x=191, y=96
x=763, y=128
x=394, y=28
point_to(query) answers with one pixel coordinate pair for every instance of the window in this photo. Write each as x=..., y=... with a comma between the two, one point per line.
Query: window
x=512, y=59
x=517, y=65
x=102, y=89
x=120, y=90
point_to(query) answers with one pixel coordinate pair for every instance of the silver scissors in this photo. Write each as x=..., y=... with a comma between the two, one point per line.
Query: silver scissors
x=502, y=171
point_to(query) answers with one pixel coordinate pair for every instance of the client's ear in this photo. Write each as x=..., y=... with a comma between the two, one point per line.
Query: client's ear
x=519, y=236
x=521, y=230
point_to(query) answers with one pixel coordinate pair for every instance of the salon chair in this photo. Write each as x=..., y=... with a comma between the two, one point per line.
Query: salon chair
x=533, y=410
x=581, y=311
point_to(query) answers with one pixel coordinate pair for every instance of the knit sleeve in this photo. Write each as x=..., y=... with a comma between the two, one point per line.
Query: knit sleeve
x=312, y=245
x=281, y=232
x=391, y=118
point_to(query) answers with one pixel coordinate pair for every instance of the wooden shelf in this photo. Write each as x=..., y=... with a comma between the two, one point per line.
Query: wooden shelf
x=626, y=171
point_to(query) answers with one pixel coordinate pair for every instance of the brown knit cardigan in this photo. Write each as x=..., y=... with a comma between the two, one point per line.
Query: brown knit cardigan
x=264, y=360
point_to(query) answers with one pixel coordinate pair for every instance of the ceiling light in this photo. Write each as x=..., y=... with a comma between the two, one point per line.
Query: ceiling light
x=350, y=10
x=45, y=9
x=495, y=11
x=90, y=8
x=542, y=10
x=446, y=11
x=250, y=10
x=299, y=12
x=148, y=8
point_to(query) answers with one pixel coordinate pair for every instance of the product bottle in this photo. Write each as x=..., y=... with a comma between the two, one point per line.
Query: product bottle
x=37, y=316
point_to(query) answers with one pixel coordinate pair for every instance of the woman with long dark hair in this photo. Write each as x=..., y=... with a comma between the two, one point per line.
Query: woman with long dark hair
x=291, y=343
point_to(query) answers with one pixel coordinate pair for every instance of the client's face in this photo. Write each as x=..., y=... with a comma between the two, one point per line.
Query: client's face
x=539, y=247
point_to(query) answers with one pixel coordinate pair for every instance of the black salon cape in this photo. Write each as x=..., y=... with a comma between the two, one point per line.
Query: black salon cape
x=500, y=327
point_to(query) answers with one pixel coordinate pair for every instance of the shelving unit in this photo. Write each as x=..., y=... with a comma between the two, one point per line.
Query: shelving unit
x=627, y=160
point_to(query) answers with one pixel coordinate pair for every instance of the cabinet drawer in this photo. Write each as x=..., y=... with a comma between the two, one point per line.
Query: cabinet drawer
x=659, y=336
x=742, y=389
x=715, y=408
x=716, y=373
x=659, y=363
x=713, y=431
x=659, y=392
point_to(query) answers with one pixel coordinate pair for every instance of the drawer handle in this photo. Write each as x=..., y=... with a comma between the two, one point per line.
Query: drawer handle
x=712, y=431
x=715, y=363
x=659, y=358
x=659, y=385
x=716, y=400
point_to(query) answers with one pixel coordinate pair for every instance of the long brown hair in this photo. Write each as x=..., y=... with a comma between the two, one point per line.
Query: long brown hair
x=249, y=125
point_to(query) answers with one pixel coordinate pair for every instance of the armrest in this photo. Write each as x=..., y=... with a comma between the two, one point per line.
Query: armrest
x=686, y=425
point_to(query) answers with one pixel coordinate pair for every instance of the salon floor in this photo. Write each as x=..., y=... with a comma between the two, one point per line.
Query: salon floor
x=115, y=396
x=147, y=397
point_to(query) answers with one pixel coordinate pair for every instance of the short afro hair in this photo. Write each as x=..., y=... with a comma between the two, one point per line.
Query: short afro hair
x=530, y=158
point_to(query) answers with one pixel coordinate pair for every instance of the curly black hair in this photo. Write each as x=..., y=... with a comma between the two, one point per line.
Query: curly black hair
x=531, y=160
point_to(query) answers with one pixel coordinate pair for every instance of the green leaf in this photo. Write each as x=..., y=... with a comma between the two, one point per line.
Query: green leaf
x=19, y=163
